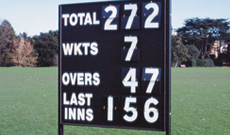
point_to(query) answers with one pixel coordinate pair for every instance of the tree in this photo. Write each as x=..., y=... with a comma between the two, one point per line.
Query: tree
x=46, y=45
x=23, y=53
x=7, y=37
x=203, y=32
x=179, y=51
x=193, y=52
x=24, y=35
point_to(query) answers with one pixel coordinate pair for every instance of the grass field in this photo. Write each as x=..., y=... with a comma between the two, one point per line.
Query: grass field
x=29, y=102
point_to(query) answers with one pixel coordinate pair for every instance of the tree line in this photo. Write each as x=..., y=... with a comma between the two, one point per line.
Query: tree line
x=23, y=51
x=190, y=46
x=193, y=42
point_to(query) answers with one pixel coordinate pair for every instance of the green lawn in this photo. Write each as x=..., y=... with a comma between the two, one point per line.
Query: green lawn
x=28, y=103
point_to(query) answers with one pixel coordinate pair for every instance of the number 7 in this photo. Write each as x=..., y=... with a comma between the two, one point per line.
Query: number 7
x=134, y=41
x=155, y=73
x=134, y=9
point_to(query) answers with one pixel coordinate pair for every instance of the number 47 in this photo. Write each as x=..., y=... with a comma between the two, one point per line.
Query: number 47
x=149, y=74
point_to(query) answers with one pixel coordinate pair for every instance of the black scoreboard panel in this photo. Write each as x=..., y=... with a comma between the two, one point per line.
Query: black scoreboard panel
x=112, y=64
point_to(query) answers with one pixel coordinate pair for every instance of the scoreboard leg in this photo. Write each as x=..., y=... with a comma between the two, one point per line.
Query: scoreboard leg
x=168, y=66
x=60, y=126
x=60, y=129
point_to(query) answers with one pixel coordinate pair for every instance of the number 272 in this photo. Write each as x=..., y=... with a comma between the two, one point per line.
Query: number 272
x=150, y=16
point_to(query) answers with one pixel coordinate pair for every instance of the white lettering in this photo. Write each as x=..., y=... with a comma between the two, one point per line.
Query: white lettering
x=86, y=45
x=65, y=78
x=73, y=99
x=79, y=49
x=84, y=19
x=65, y=102
x=73, y=78
x=95, y=21
x=96, y=79
x=89, y=113
x=88, y=96
x=81, y=98
x=80, y=78
x=88, y=79
x=81, y=15
x=73, y=19
x=81, y=114
x=88, y=19
x=67, y=48
x=94, y=49
x=72, y=113
x=66, y=113
x=65, y=16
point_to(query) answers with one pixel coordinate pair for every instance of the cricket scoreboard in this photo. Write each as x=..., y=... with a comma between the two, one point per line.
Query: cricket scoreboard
x=113, y=64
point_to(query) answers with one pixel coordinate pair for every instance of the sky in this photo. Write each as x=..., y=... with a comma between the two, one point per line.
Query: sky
x=35, y=16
